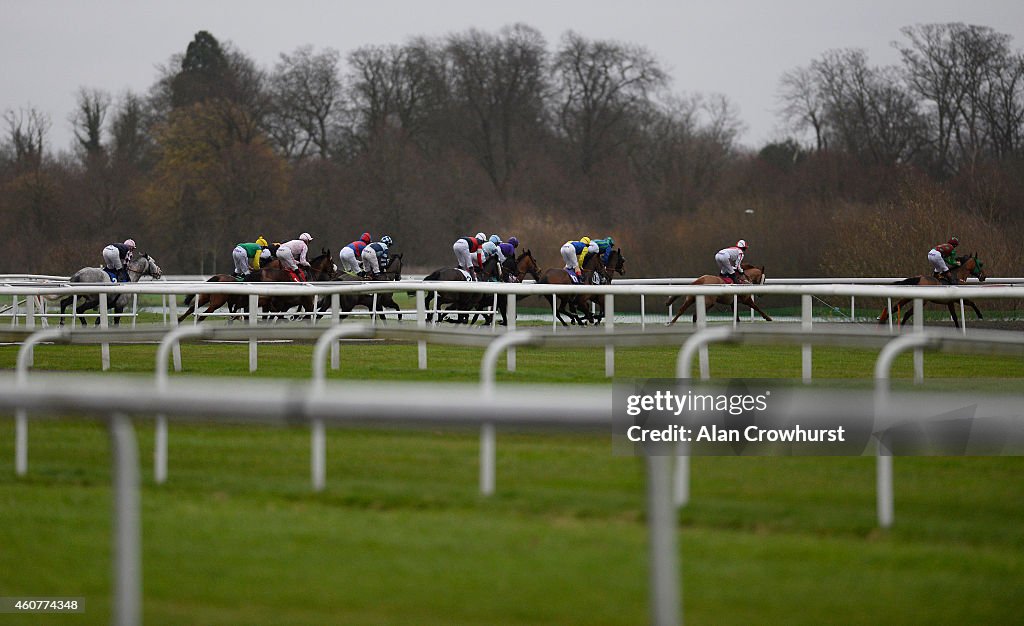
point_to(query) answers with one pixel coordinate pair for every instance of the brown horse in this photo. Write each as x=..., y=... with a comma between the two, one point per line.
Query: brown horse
x=970, y=265
x=594, y=271
x=322, y=268
x=754, y=274
x=214, y=301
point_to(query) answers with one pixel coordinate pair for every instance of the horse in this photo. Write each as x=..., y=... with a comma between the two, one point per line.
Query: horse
x=143, y=265
x=490, y=271
x=970, y=265
x=514, y=270
x=385, y=300
x=756, y=276
x=616, y=263
x=322, y=268
x=593, y=271
x=214, y=301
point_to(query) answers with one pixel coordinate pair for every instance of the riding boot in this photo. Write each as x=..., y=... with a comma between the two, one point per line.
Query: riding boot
x=122, y=276
x=947, y=278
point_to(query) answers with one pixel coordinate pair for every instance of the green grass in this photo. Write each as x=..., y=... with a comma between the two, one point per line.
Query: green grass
x=401, y=536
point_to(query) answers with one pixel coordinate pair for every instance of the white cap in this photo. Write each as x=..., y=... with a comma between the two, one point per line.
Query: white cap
x=741, y=244
x=306, y=237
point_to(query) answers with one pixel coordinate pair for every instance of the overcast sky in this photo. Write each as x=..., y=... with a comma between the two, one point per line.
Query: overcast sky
x=51, y=48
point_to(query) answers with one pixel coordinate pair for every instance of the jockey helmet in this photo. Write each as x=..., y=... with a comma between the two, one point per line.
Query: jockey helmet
x=495, y=239
x=306, y=237
x=261, y=241
x=611, y=242
x=130, y=243
x=741, y=244
x=386, y=240
x=954, y=241
x=365, y=238
x=481, y=237
x=514, y=242
x=585, y=240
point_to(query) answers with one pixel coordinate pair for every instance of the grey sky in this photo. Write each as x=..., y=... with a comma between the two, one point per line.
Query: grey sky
x=50, y=48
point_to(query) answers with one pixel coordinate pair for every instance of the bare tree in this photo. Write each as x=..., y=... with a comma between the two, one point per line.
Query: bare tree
x=396, y=87
x=498, y=85
x=26, y=137
x=802, y=105
x=601, y=85
x=88, y=120
x=971, y=82
x=307, y=96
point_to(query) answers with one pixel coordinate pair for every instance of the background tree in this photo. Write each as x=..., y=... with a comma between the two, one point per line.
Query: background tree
x=601, y=86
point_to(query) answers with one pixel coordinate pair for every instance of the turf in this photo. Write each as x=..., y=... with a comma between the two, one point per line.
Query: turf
x=400, y=535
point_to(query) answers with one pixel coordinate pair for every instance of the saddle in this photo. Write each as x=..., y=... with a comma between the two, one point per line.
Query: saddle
x=726, y=279
x=468, y=276
x=573, y=277
x=111, y=273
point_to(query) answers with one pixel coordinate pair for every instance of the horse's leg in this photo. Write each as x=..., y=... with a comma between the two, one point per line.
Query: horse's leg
x=909, y=314
x=64, y=303
x=750, y=303
x=952, y=314
x=687, y=302
x=977, y=311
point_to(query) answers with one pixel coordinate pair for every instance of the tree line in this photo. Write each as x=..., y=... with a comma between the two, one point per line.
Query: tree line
x=442, y=137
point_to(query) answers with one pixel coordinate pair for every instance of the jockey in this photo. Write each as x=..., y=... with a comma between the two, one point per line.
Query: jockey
x=605, y=246
x=116, y=257
x=508, y=248
x=292, y=253
x=353, y=252
x=486, y=251
x=464, y=247
x=572, y=252
x=730, y=262
x=943, y=258
x=375, y=256
x=247, y=256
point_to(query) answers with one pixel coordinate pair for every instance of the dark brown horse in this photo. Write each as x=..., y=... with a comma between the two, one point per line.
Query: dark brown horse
x=385, y=300
x=491, y=271
x=970, y=265
x=514, y=270
x=754, y=274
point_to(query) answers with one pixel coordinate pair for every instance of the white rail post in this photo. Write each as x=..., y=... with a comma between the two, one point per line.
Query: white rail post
x=127, y=535
x=609, y=327
x=918, y=328
x=643, y=323
x=335, y=320
x=104, y=347
x=510, y=355
x=702, y=323
x=318, y=434
x=806, y=320
x=24, y=361
x=665, y=594
x=30, y=312
x=488, y=367
x=135, y=308
x=254, y=303
x=421, y=323
x=963, y=318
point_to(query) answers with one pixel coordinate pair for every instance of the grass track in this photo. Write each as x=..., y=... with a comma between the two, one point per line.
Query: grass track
x=401, y=537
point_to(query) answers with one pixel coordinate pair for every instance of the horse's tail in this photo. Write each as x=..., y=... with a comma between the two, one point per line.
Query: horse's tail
x=915, y=280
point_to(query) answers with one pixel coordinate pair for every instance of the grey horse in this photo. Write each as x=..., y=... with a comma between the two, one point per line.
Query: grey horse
x=143, y=265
